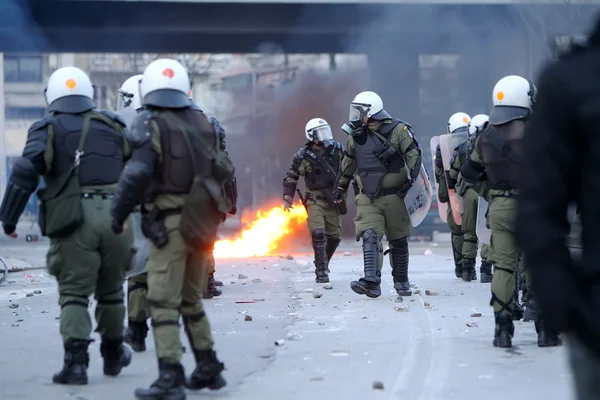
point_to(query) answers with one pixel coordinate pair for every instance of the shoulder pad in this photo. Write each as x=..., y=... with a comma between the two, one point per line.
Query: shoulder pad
x=113, y=116
x=41, y=124
x=140, y=131
x=409, y=126
x=298, y=158
x=215, y=122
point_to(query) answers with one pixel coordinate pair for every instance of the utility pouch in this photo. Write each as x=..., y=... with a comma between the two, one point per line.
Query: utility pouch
x=154, y=228
x=61, y=212
x=384, y=153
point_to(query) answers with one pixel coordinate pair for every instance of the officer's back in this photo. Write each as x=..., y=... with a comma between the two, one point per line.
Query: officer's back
x=103, y=156
x=81, y=153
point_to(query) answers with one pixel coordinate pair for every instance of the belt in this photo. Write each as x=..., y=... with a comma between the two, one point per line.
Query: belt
x=384, y=192
x=309, y=196
x=104, y=196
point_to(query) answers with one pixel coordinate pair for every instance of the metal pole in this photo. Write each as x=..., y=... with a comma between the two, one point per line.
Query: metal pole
x=3, y=180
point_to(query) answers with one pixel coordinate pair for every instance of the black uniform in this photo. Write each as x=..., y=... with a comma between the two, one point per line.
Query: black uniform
x=561, y=153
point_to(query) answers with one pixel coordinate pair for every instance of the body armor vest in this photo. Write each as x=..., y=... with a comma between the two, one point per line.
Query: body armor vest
x=103, y=159
x=501, y=151
x=463, y=152
x=325, y=168
x=176, y=173
x=370, y=169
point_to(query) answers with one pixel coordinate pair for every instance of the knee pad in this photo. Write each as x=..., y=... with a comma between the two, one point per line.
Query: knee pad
x=318, y=235
x=369, y=236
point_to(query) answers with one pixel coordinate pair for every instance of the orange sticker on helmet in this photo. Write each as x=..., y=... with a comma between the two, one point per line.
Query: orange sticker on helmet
x=168, y=72
x=70, y=84
x=465, y=120
x=500, y=95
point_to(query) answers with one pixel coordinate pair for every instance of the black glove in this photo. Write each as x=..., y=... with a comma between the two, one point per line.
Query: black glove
x=338, y=194
x=9, y=229
x=116, y=226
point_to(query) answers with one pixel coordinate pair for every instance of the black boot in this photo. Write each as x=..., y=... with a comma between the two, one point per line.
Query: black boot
x=468, y=270
x=505, y=329
x=116, y=356
x=211, y=288
x=319, y=246
x=546, y=338
x=485, y=272
x=136, y=334
x=217, y=283
x=207, y=373
x=332, y=245
x=530, y=313
x=399, y=262
x=76, y=362
x=170, y=384
x=369, y=285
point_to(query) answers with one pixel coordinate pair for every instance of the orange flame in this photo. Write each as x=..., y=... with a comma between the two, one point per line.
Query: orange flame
x=263, y=234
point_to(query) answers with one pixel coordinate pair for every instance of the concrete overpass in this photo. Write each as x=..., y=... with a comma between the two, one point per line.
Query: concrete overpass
x=492, y=38
x=299, y=26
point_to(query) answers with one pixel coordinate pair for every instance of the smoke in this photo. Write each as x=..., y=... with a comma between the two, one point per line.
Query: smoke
x=18, y=26
x=275, y=138
x=425, y=61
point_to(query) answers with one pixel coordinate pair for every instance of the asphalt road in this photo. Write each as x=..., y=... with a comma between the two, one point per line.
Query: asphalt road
x=337, y=345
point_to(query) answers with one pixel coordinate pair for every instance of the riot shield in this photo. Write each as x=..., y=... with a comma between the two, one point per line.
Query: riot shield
x=483, y=232
x=442, y=207
x=418, y=198
x=141, y=257
x=127, y=114
x=448, y=143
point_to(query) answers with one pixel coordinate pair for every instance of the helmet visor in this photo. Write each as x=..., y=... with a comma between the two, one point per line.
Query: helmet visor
x=357, y=113
x=124, y=100
x=321, y=133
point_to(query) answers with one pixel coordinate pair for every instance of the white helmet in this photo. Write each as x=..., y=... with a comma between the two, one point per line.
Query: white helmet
x=478, y=123
x=69, y=90
x=513, y=96
x=129, y=94
x=458, y=122
x=367, y=104
x=317, y=129
x=166, y=84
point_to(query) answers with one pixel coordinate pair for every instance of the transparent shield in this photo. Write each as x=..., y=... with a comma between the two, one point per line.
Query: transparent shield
x=418, y=198
x=124, y=100
x=442, y=207
x=322, y=133
x=357, y=113
x=448, y=143
x=483, y=232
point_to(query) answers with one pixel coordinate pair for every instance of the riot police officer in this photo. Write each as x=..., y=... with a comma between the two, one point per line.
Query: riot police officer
x=379, y=148
x=319, y=161
x=80, y=152
x=496, y=158
x=231, y=188
x=128, y=107
x=470, y=201
x=457, y=124
x=178, y=173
